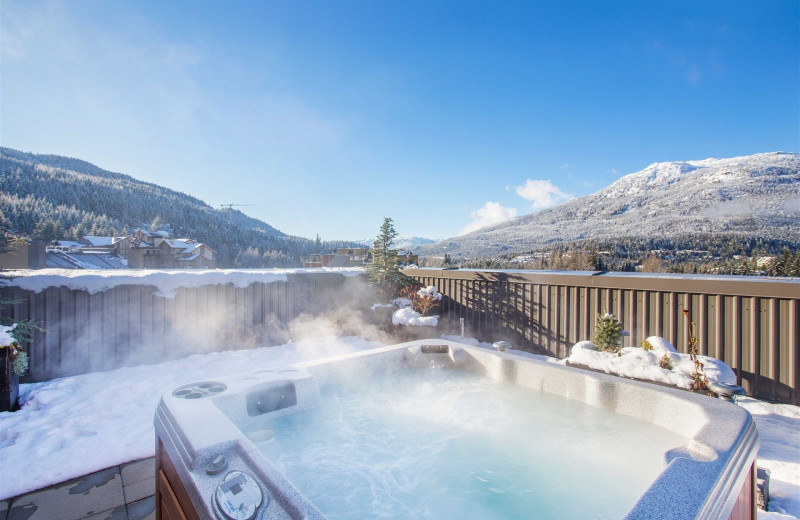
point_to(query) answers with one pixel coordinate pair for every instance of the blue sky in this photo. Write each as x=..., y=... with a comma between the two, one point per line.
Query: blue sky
x=328, y=116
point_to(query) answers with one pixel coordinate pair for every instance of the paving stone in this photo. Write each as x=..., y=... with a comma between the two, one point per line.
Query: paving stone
x=138, y=470
x=144, y=509
x=3, y=509
x=118, y=513
x=72, y=500
x=139, y=490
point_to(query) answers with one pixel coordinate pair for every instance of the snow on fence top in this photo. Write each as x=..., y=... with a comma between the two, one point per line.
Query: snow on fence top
x=165, y=282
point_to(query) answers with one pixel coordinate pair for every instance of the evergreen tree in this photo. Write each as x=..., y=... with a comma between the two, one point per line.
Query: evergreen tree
x=608, y=332
x=383, y=271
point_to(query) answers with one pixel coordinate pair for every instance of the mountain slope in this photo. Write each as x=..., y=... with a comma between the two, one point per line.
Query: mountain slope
x=756, y=195
x=77, y=198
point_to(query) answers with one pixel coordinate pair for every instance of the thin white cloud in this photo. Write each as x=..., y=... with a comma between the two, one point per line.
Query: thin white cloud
x=564, y=166
x=542, y=194
x=491, y=213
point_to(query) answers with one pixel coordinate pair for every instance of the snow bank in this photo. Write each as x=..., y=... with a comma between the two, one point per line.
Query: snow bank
x=6, y=338
x=646, y=364
x=778, y=426
x=408, y=316
x=77, y=425
x=165, y=282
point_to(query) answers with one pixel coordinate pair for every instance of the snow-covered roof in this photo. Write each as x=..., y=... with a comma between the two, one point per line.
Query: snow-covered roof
x=70, y=244
x=185, y=244
x=154, y=234
x=96, y=241
x=189, y=258
x=84, y=260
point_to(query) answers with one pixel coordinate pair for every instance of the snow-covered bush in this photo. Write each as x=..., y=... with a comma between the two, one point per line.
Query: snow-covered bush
x=426, y=299
x=408, y=316
x=414, y=306
x=662, y=364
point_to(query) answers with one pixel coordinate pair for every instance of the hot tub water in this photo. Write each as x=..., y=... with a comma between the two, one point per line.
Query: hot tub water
x=449, y=445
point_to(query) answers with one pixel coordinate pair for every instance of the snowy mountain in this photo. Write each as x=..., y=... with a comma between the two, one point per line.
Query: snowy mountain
x=755, y=195
x=49, y=196
x=402, y=243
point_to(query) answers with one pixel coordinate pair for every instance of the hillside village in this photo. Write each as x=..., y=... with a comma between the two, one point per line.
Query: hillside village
x=150, y=250
x=141, y=250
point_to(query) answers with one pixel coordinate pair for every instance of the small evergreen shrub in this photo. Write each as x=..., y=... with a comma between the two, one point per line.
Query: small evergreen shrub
x=608, y=333
x=646, y=345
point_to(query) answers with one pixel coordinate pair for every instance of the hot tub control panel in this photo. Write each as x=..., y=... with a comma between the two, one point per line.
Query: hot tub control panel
x=238, y=497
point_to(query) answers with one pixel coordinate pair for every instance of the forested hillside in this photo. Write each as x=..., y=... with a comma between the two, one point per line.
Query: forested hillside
x=49, y=196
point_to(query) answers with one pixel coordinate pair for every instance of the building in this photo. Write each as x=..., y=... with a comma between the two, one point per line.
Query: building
x=352, y=257
x=185, y=253
x=344, y=257
x=142, y=250
x=23, y=254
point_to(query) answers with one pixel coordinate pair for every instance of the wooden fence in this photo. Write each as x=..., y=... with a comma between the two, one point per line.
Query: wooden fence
x=750, y=323
x=129, y=324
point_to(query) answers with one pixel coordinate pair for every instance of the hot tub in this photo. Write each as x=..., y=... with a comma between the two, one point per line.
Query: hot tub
x=436, y=429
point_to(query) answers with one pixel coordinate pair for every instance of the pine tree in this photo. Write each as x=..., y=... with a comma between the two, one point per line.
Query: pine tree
x=608, y=332
x=383, y=271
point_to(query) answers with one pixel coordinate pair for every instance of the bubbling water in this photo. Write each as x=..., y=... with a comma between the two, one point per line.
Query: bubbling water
x=448, y=445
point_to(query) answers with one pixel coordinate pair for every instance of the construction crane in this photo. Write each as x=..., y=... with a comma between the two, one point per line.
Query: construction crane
x=234, y=205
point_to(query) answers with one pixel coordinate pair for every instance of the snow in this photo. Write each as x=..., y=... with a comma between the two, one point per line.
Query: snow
x=96, y=241
x=429, y=292
x=381, y=306
x=70, y=244
x=6, y=338
x=646, y=364
x=661, y=345
x=107, y=418
x=76, y=425
x=186, y=244
x=408, y=316
x=166, y=282
x=779, y=431
x=401, y=302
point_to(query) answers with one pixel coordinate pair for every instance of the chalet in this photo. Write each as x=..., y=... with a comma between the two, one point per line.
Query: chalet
x=150, y=237
x=318, y=260
x=185, y=253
